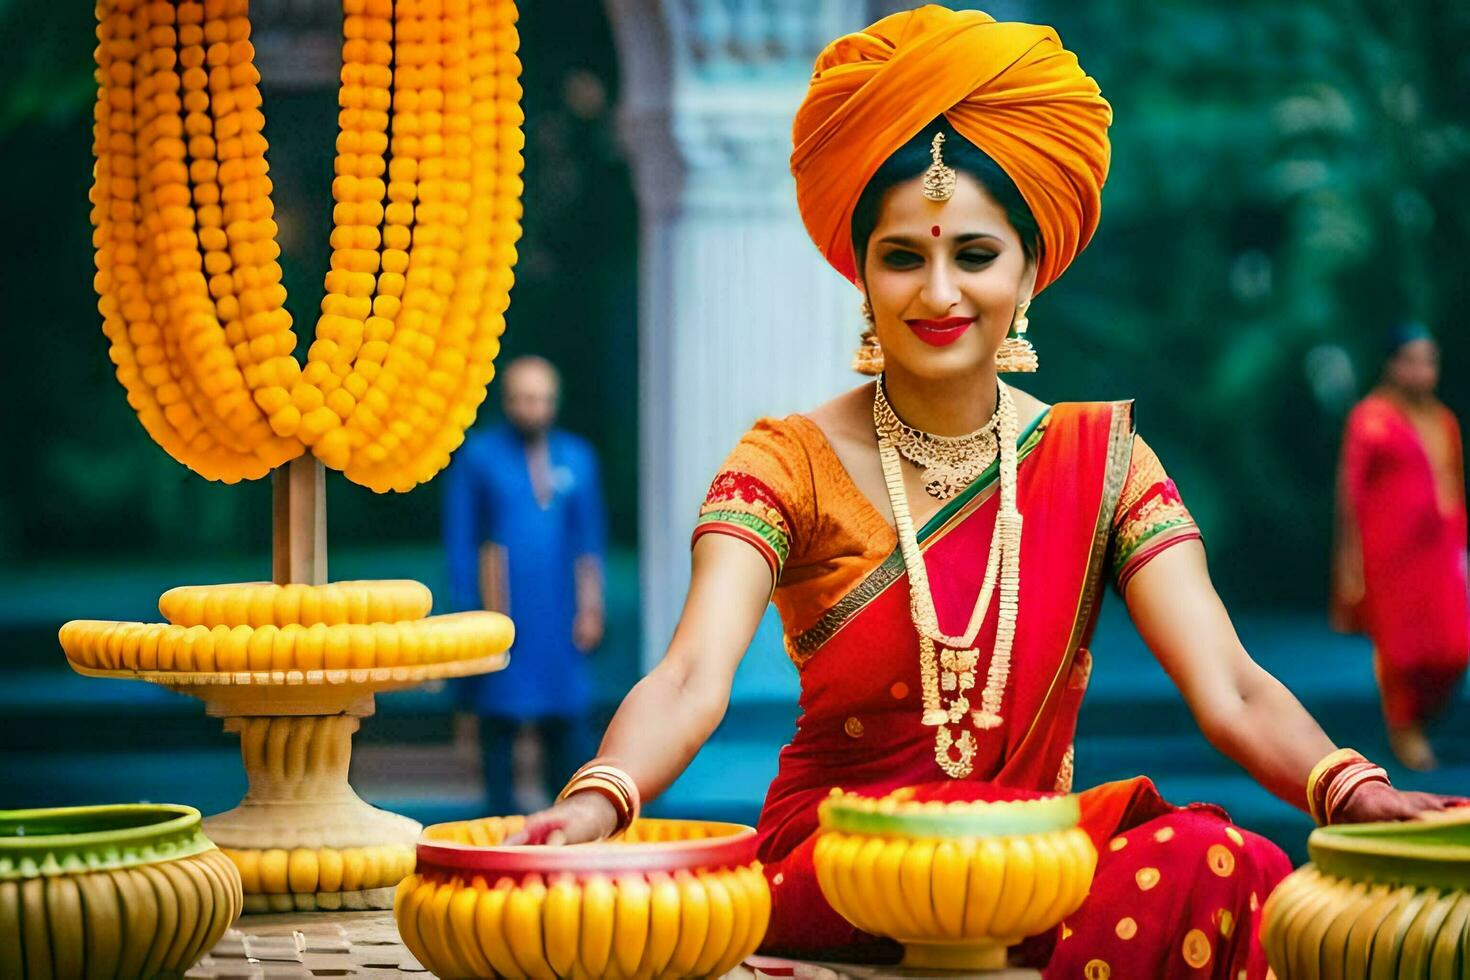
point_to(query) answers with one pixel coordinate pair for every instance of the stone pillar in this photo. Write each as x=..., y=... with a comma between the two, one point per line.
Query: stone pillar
x=739, y=316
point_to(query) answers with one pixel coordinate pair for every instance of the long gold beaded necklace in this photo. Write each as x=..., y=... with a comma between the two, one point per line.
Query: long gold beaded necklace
x=948, y=662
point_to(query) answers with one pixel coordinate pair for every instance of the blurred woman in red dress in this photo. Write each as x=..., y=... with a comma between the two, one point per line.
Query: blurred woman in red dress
x=1399, y=574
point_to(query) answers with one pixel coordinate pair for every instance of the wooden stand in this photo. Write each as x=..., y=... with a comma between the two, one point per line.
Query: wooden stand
x=299, y=523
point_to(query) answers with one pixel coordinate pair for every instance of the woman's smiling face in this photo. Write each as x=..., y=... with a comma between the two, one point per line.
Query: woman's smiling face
x=944, y=279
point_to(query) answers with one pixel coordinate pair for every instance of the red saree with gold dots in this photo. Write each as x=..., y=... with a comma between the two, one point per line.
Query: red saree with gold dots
x=1178, y=891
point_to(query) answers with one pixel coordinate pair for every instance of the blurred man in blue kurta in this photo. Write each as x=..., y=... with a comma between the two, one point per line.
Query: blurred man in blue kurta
x=524, y=531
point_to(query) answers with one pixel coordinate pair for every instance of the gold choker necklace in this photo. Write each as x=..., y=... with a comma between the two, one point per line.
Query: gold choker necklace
x=952, y=669
x=950, y=463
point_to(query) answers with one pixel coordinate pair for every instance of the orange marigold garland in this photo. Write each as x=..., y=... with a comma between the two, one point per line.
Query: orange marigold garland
x=422, y=246
x=130, y=230
x=464, y=143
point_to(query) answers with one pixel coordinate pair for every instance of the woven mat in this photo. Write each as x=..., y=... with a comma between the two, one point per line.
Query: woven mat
x=303, y=945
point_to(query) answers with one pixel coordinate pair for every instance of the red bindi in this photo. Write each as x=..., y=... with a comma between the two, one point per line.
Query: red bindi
x=934, y=231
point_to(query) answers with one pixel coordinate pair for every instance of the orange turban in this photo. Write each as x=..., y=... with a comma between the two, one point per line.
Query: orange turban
x=1011, y=89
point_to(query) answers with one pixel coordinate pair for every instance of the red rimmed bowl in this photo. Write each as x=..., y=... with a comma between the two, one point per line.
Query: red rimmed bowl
x=671, y=898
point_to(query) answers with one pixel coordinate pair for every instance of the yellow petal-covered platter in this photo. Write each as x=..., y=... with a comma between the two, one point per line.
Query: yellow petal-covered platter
x=292, y=669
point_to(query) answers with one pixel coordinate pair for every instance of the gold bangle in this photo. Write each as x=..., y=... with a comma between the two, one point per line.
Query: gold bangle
x=614, y=791
x=611, y=783
x=613, y=794
x=622, y=783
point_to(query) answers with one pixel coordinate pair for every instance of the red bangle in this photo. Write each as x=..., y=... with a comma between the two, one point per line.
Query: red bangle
x=1347, y=783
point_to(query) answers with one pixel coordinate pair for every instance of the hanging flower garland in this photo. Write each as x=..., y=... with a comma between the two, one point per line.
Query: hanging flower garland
x=426, y=216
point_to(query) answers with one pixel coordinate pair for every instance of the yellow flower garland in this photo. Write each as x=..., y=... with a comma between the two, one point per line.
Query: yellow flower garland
x=422, y=248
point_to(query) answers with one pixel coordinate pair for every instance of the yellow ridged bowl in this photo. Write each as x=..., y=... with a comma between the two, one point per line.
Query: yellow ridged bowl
x=110, y=891
x=671, y=898
x=955, y=883
x=1378, y=900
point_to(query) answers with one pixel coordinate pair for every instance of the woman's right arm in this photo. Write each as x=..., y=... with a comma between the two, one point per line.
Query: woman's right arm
x=668, y=715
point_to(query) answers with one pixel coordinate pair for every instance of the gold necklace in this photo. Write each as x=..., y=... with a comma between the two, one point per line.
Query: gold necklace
x=952, y=669
x=950, y=463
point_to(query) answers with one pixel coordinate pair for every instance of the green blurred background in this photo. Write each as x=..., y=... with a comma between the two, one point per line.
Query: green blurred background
x=1288, y=180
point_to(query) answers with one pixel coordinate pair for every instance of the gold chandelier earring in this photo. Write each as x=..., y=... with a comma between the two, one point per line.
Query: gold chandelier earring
x=1016, y=355
x=869, y=356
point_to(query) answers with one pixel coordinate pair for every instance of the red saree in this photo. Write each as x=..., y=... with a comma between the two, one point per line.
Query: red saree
x=1399, y=575
x=860, y=725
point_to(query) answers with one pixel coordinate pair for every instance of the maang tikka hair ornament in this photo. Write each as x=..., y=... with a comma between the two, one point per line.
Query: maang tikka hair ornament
x=939, y=179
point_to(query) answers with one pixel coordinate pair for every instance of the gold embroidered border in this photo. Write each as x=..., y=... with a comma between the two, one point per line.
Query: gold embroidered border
x=803, y=645
x=1120, y=453
x=1066, y=769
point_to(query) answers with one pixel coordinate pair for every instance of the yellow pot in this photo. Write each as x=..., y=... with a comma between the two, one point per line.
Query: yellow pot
x=1378, y=900
x=955, y=883
x=110, y=891
x=671, y=898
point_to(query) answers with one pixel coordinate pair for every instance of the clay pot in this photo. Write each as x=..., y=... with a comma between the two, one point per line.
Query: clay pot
x=110, y=891
x=1380, y=899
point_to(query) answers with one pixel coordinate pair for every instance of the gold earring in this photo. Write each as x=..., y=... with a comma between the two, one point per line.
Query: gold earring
x=1016, y=355
x=869, y=356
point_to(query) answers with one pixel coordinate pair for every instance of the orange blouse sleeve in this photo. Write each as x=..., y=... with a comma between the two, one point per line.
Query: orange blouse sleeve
x=1150, y=517
x=763, y=494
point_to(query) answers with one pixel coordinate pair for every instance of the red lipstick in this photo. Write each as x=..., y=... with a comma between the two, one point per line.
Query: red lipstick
x=941, y=333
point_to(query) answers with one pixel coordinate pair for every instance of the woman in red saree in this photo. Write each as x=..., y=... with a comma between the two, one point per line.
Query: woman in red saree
x=1109, y=509
x=1399, y=574
x=950, y=166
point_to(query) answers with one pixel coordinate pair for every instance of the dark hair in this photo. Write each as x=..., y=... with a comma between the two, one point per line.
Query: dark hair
x=913, y=158
x=1401, y=335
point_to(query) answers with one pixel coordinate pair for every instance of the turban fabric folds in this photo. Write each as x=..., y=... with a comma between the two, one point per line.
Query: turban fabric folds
x=1011, y=89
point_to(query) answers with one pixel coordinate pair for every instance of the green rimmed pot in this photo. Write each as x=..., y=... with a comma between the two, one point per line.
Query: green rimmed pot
x=110, y=891
x=1378, y=900
x=955, y=883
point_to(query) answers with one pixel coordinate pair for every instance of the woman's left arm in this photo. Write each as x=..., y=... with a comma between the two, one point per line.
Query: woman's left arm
x=1244, y=712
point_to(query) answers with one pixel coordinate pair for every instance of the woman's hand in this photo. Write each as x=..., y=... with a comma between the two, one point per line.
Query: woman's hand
x=1380, y=801
x=581, y=817
x=668, y=715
